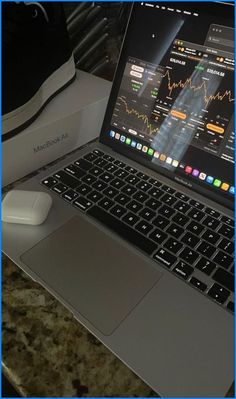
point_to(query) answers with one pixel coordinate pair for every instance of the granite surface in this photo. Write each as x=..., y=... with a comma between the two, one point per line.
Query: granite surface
x=47, y=353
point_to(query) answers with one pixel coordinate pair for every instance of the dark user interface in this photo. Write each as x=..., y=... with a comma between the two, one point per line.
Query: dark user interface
x=175, y=102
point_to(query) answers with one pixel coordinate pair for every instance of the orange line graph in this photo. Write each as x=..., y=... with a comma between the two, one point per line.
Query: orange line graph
x=172, y=86
x=143, y=117
x=203, y=86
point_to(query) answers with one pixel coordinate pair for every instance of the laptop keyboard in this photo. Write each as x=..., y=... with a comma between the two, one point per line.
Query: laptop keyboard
x=178, y=232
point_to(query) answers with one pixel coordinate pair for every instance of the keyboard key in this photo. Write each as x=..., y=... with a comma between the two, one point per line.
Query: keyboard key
x=168, y=189
x=182, y=197
x=82, y=203
x=83, y=164
x=90, y=157
x=88, y=179
x=165, y=258
x=223, y=259
x=227, y=246
x=126, y=232
x=206, y=266
x=206, y=249
x=108, y=158
x=161, y=222
x=173, y=245
x=106, y=203
x=183, y=270
x=212, y=212
x=96, y=171
x=121, y=173
x=180, y=219
x=100, y=162
x=109, y=165
x=144, y=186
x=144, y=227
x=218, y=293
x=84, y=189
x=155, y=182
x=67, y=179
x=175, y=230
x=132, y=179
x=190, y=239
x=168, y=199
x=166, y=211
x=106, y=176
x=226, y=231
x=99, y=185
x=211, y=236
x=60, y=188
x=110, y=192
x=195, y=228
x=49, y=182
x=188, y=255
x=153, y=203
x=211, y=222
x=230, y=306
x=120, y=164
x=134, y=206
x=95, y=196
x=196, y=214
x=147, y=214
x=117, y=183
x=130, y=169
x=140, y=196
x=122, y=199
x=70, y=195
x=111, y=168
x=182, y=206
x=158, y=236
x=75, y=171
x=196, y=204
x=98, y=152
x=198, y=284
x=225, y=278
x=142, y=176
x=129, y=190
x=130, y=218
x=155, y=192
x=228, y=221
x=118, y=211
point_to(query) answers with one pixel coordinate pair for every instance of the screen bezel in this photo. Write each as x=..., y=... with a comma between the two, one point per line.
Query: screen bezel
x=217, y=9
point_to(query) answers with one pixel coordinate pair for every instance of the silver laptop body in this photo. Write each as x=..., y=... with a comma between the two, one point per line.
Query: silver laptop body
x=144, y=289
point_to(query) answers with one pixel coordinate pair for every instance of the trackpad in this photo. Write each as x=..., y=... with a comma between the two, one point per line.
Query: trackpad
x=98, y=276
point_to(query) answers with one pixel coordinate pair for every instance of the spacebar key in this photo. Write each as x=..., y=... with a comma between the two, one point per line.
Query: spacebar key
x=123, y=230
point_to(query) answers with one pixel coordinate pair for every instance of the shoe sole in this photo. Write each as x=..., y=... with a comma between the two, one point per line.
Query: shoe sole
x=18, y=119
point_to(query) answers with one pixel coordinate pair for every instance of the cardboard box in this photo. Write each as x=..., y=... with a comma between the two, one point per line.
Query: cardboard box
x=71, y=119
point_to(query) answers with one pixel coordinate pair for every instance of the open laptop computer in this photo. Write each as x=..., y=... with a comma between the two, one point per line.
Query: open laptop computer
x=139, y=241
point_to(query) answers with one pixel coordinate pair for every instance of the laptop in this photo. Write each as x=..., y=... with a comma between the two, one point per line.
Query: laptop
x=139, y=242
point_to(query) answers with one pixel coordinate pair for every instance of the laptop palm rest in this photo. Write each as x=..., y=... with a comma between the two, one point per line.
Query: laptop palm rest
x=101, y=278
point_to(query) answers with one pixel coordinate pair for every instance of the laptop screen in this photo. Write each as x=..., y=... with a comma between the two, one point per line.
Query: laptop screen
x=172, y=103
